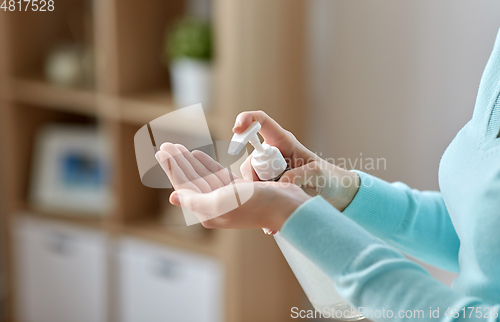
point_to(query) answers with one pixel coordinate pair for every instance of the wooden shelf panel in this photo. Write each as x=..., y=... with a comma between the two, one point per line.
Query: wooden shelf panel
x=78, y=219
x=137, y=109
x=39, y=92
x=144, y=107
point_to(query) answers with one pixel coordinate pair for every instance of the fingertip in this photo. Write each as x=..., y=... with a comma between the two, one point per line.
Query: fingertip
x=166, y=146
x=161, y=155
x=242, y=122
x=237, y=127
x=174, y=199
x=237, y=124
x=198, y=153
x=181, y=147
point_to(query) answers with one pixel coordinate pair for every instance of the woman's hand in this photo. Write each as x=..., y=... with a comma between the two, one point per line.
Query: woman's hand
x=207, y=189
x=293, y=151
x=318, y=177
x=336, y=185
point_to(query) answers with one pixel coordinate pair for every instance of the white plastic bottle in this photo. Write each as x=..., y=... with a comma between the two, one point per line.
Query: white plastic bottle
x=267, y=161
x=269, y=165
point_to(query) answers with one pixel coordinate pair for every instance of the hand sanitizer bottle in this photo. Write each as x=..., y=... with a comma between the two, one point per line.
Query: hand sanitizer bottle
x=267, y=161
x=269, y=165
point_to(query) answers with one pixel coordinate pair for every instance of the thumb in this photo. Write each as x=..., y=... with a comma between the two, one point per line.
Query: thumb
x=174, y=199
x=302, y=176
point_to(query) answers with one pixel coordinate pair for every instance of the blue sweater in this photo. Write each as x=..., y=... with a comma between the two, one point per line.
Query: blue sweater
x=457, y=229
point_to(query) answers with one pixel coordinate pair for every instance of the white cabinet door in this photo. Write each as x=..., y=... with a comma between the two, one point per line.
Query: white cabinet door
x=61, y=273
x=160, y=284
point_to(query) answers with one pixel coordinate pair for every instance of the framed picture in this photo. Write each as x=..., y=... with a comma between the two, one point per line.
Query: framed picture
x=71, y=170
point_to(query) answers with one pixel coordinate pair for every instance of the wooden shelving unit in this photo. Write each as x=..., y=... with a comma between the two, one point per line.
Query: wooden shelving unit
x=39, y=92
x=64, y=217
x=259, y=51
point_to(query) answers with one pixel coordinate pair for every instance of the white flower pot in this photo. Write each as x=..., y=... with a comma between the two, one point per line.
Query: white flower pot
x=191, y=82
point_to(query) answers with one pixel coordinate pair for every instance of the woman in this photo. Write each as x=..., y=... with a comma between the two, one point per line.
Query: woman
x=455, y=229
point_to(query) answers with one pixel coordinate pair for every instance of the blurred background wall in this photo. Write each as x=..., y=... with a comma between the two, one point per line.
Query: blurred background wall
x=396, y=80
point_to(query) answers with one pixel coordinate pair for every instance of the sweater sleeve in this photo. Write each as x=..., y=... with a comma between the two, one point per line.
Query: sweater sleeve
x=373, y=276
x=416, y=222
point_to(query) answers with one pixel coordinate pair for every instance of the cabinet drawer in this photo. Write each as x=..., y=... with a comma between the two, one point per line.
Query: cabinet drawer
x=162, y=284
x=61, y=272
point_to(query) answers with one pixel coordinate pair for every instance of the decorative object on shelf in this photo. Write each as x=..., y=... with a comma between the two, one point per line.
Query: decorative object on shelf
x=188, y=54
x=70, y=65
x=71, y=170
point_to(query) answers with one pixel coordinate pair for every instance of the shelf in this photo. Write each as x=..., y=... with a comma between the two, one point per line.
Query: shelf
x=205, y=242
x=144, y=107
x=137, y=109
x=73, y=218
x=39, y=92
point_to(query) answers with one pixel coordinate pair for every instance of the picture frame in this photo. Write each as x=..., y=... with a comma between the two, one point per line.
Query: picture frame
x=70, y=170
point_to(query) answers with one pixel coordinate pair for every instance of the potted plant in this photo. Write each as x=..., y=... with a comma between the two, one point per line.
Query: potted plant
x=188, y=54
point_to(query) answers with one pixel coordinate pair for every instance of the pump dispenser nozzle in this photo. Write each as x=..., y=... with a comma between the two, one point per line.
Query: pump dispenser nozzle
x=238, y=141
x=267, y=161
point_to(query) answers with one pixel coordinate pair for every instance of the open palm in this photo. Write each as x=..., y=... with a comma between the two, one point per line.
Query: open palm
x=208, y=190
x=195, y=170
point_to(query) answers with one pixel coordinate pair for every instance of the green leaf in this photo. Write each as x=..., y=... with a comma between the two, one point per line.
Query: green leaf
x=189, y=38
